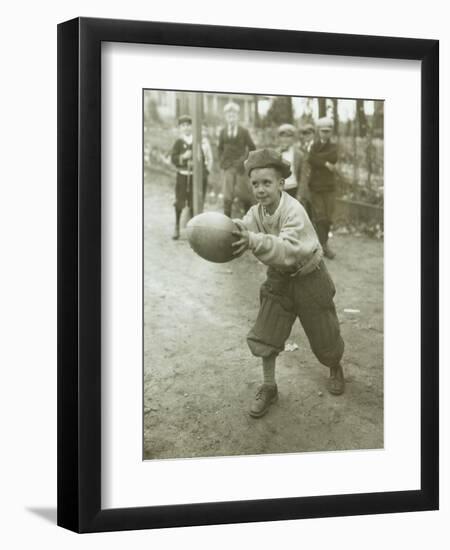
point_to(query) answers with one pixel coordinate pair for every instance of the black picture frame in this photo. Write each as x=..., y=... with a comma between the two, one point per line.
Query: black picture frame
x=79, y=274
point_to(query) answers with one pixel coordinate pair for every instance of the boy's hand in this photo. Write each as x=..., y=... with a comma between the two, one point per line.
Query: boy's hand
x=241, y=245
x=331, y=167
x=187, y=155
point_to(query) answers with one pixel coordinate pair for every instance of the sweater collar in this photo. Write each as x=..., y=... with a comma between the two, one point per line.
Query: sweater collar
x=271, y=217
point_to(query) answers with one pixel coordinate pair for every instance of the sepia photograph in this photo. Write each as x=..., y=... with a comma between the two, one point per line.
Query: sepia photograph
x=234, y=221
x=262, y=274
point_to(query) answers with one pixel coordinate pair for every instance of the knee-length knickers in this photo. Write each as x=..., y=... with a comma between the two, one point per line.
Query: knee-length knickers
x=310, y=298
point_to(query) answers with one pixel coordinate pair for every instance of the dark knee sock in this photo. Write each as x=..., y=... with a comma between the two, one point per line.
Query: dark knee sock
x=177, y=217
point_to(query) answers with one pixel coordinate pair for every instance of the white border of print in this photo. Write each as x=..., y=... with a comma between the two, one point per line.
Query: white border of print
x=127, y=481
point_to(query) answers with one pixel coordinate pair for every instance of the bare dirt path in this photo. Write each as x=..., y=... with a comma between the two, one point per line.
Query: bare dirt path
x=199, y=376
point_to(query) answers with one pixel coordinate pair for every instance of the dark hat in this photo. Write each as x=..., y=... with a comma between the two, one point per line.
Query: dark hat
x=286, y=130
x=267, y=158
x=184, y=119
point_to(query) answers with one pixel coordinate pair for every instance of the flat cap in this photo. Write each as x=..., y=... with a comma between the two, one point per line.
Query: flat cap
x=184, y=119
x=231, y=106
x=267, y=158
x=286, y=130
x=325, y=122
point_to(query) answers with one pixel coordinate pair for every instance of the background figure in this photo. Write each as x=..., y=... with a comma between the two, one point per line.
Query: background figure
x=306, y=133
x=322, y=183
x=234, y=145
x=181, y=158
x=291, y=153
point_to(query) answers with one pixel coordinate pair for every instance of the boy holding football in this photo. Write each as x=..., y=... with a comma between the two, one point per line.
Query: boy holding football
x=279, y=233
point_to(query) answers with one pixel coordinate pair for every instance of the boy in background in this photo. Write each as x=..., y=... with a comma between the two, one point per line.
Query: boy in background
x=306, y=139
x=322, y=182
x=291, y=153
x=181, y=158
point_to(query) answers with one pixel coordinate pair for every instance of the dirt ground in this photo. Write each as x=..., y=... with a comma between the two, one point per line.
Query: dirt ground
x=199, y=375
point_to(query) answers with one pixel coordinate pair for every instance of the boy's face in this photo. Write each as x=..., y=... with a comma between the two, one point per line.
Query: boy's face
x=231, y=117
x=324, y=134
x=286, y=141
x=267, y=185
x=186, y=128
x=307, y=136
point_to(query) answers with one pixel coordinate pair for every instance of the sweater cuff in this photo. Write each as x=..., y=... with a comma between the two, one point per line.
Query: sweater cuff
x=253, y=240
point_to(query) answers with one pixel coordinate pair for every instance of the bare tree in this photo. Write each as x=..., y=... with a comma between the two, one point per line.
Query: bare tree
x=335, y=115
x=361, y=116
x=280, y=111
x=322, y=106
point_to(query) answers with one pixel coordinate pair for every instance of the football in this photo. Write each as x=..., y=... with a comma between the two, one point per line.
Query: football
x=210, y=236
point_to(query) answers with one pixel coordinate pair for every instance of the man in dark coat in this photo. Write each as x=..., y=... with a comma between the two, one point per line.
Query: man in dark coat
x=322, y=182
x=306, y=133
x=234, y=146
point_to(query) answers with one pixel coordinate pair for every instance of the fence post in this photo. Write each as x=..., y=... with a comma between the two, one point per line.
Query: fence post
x=355, y=150
x=197, y=111
x=369, y=153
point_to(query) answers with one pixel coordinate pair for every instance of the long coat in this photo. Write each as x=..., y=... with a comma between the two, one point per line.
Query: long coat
x=321, y=179
x=234, y=150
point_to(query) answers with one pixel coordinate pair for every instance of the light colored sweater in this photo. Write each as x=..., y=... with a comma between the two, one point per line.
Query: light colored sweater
x=286, y=239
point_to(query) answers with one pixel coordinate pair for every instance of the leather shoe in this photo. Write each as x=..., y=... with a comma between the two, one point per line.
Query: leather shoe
x=265, y=396
x=336, y=382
